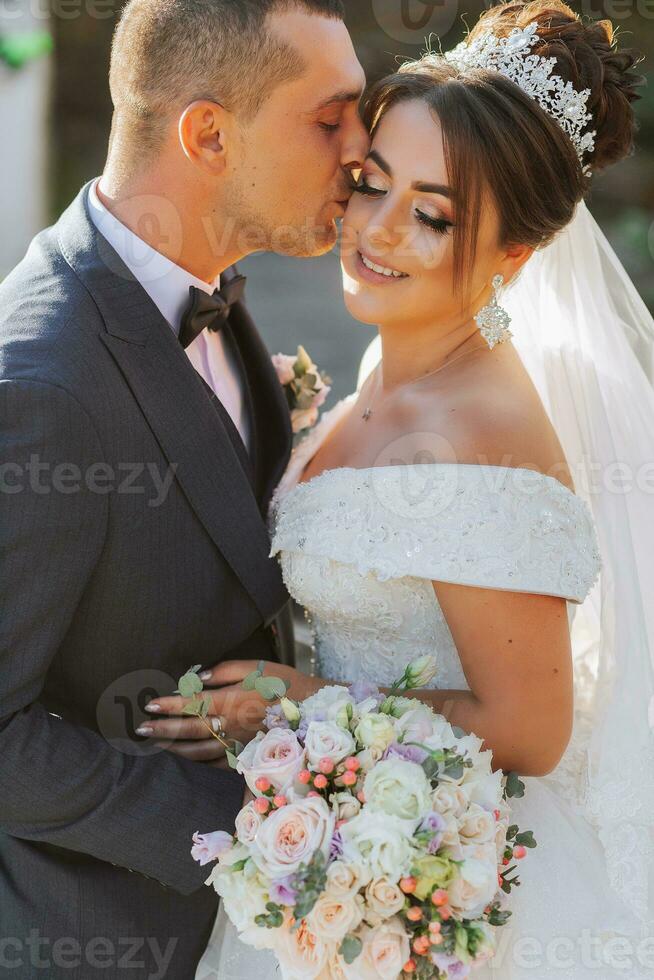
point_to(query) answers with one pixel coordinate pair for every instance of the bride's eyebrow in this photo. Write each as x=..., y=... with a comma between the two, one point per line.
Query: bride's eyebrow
x=417, y=185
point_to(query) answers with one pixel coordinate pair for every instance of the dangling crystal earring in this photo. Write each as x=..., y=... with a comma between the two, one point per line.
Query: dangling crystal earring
x=493, y=321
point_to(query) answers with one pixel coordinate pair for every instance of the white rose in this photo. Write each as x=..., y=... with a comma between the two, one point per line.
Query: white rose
x=327, y=704
x=476, y=883
x=326, y=738
x=291, y=835
x=333, y=916
x=379, y=841
x=476, y=826
x=384, y=898
x=398, y=787
x=248, y=822
x=301, y=953
x=385, y=951
x=442, y=735
x=376, y=731
x=344, y=805
x=449, y=798
x=243, y=893
x=277, y=754
x=346, y=877
x=484, y=788
x=416, y=724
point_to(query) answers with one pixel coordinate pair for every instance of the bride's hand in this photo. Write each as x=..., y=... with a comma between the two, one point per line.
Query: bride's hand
x=239, y=713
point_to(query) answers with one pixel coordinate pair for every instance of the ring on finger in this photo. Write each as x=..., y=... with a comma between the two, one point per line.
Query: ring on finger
x=218, y=727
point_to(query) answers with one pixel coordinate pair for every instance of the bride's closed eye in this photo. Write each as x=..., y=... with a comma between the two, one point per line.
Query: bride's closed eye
x=438, y=225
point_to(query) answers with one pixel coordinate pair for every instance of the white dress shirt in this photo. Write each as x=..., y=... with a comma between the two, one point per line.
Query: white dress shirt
x=167, y=286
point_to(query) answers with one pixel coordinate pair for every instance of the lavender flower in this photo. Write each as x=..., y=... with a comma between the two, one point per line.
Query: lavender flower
x=451, y=966
x=336, y=846
x=275, y=717
x=410, y=753
x=282, y=891
x=434, y=823
x=362, y=690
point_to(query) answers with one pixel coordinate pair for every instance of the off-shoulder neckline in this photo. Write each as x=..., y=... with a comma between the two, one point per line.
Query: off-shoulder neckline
x=402, y=466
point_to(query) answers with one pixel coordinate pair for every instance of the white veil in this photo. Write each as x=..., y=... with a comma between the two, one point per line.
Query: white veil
x=587, y=341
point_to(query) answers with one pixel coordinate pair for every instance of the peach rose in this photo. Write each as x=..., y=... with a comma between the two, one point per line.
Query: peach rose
x=385, y=951
x=291, y=835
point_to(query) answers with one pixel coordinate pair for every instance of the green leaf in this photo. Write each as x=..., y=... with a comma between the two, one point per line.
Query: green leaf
x=17, y=49
x=231, y=758
x=250, y=681
x=237, y=746
x=514, y=785
x=526, y=838
x=189, y=684
x=192, y=708
x=350, y=948
x=270, y=688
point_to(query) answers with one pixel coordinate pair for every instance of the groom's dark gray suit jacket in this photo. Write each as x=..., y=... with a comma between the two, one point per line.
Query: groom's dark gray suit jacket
x=132, y=546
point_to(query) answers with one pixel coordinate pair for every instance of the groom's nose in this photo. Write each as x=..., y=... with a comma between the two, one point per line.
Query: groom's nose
x=355, y=145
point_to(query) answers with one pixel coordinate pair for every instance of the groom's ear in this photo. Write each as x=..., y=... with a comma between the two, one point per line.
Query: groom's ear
x=203, y=135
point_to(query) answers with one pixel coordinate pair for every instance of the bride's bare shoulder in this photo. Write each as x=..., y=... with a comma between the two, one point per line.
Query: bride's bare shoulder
x=497, y=418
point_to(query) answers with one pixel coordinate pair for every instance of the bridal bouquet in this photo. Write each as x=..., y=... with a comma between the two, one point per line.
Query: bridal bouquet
x=378, y=841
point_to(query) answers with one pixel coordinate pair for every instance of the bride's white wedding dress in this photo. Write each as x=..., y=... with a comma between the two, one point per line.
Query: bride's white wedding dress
x=359, y=550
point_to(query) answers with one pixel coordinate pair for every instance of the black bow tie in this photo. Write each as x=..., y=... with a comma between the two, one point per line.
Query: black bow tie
x=209, y=309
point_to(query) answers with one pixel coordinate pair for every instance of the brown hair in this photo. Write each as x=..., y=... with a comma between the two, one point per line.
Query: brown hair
x=499, y=141
x=168, y=53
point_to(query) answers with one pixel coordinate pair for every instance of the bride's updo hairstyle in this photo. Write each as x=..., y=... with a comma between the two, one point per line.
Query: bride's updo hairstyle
x=498, y=141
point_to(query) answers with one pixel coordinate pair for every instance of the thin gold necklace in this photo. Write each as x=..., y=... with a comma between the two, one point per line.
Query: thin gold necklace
x=369, y=411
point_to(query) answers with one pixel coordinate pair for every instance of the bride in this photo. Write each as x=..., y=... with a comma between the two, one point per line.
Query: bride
x=473, y=493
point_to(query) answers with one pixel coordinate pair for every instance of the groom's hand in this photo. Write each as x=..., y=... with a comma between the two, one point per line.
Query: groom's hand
x=235, y=711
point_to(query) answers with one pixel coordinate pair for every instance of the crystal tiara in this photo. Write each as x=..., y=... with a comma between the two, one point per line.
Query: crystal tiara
x=509, y=56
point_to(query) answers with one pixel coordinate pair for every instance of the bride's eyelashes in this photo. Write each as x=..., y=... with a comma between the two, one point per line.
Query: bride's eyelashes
x=438, y=225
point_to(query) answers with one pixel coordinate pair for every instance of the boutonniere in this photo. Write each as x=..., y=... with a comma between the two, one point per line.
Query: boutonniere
x=306, y=388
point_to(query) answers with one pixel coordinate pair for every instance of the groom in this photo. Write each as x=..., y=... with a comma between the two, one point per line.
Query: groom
x=142, y=431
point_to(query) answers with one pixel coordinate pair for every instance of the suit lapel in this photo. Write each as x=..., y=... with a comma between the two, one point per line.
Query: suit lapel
x=271, y=423
x=177, y=408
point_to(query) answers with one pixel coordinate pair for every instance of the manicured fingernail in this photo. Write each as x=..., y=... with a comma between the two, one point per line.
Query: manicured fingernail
x=153, y=706
x=205, y=675
x=144, y=730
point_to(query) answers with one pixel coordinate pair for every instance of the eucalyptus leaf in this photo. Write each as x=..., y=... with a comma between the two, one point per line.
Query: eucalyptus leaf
x=249, y=681
x=189, y=684
x=231, y=758
x=270, y=688
x=526, y=838
x=514, y=785
x=350, y=948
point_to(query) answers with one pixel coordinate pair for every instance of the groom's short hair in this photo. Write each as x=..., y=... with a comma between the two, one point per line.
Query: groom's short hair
x=168, y=53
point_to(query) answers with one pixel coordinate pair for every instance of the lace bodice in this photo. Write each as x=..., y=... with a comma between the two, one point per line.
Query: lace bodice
x=359, y=549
